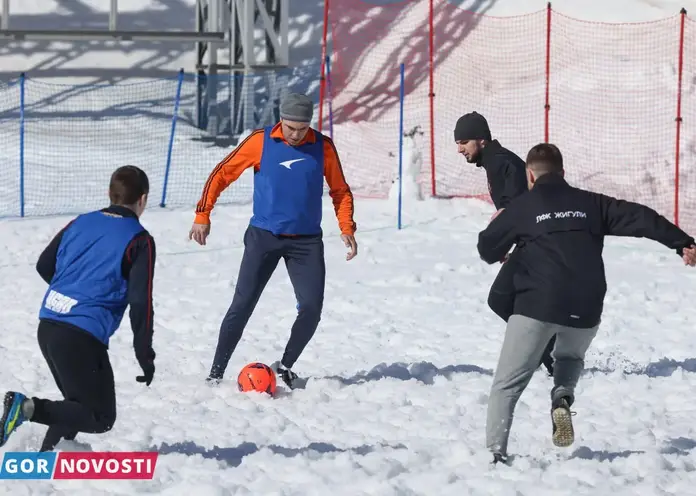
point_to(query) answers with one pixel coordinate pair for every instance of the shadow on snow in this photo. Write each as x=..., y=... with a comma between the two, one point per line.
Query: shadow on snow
x=234, y=456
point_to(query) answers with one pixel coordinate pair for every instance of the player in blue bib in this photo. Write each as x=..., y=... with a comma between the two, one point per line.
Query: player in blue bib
x=95, y=267
x=290, y=161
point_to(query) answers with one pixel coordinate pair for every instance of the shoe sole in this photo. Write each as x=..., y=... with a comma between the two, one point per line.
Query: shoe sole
x=564, y=435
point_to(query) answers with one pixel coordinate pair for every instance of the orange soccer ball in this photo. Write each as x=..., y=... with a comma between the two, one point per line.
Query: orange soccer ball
x=257, y=377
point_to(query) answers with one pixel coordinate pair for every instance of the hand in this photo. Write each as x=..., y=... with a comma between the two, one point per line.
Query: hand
x=199, y=233
x=148, y=373
x=349, y=241
x=496, y=215
x=689, y=256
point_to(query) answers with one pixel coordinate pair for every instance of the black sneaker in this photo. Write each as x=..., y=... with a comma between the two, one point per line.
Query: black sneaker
x=288, y=376
x=561, y=417
x=12, y=416
x=499, y=458
x=213, y=381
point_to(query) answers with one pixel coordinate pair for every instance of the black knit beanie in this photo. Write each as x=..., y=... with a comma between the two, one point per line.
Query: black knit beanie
x=472, y=126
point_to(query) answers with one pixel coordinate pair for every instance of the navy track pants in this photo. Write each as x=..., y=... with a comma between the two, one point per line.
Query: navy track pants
x=304, y=259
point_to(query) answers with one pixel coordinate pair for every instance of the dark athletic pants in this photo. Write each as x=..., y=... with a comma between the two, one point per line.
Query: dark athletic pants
x=304, y=259
x=501, y=299
x=82, y=371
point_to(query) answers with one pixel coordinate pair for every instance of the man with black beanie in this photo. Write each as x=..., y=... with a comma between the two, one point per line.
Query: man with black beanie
x=507, y=179
x=504, y=170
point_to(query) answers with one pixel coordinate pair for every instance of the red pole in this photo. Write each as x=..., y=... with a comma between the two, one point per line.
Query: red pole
x=547, y=106
x=431, y=95
x=322, y=77
x=679, y=116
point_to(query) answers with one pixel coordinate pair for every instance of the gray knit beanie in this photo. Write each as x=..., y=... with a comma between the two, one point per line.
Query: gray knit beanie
x=297, y=107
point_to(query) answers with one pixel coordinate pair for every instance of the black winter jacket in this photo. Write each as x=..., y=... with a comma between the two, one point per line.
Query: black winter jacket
x=559, y=231
x=505, y=172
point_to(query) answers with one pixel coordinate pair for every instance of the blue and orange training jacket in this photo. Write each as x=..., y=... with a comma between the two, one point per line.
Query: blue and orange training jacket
x=288, y=182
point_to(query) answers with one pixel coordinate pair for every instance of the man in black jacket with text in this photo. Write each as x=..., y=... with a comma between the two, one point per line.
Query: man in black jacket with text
x=560, y=283
x=507, y=179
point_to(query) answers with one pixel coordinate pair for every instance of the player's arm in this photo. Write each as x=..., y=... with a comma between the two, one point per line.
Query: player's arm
x=497, y=239
x=515, y=184
x=139, y=270
x=247, y=154
x=46, y=264
x=625, y=218
x=340, y=192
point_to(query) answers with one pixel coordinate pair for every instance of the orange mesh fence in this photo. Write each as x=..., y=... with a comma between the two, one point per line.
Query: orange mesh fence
x=608, y=95
x=369, y=41
x=613, y=105
x=687, y=142
x=495, y=66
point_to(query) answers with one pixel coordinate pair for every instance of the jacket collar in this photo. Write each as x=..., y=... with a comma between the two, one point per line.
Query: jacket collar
x=277, y=133
x=550, y=178
x=120, y=210
x=491, y=148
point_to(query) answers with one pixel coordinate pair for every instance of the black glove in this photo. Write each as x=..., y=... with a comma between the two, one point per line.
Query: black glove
x=148, y=372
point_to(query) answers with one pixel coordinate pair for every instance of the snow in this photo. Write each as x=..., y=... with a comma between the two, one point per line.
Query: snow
x=402, y=362
x=409, y=188
x=401, y=367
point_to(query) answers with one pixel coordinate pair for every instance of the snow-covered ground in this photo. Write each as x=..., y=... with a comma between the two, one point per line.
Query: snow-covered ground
x=401, y=369
x=403, y=359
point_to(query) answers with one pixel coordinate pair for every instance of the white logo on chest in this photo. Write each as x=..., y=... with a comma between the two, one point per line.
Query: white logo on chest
x=288, y=163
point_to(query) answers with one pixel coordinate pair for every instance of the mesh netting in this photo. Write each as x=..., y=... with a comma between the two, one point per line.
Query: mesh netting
x=10, y=200
x=481, y=64
x=369, y=42
x=74, y=136
x=687, y=148
x=612, y=91
x=613, y=106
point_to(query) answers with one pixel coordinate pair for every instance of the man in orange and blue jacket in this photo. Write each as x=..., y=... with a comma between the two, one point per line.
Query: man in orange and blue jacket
x=290, y=161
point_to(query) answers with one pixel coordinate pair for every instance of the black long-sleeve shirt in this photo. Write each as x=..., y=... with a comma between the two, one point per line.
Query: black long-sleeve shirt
x=137, y=267
x=559, y=231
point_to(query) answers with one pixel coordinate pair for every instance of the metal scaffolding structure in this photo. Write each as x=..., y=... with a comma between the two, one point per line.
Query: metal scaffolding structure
x=240, y=20
x=224, y=30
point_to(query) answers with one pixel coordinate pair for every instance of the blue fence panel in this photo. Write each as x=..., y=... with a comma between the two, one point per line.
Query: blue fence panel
x=76, y=135
x=170, y=148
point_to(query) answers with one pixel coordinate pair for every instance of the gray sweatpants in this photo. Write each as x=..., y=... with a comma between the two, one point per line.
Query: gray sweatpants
x=524, y=343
